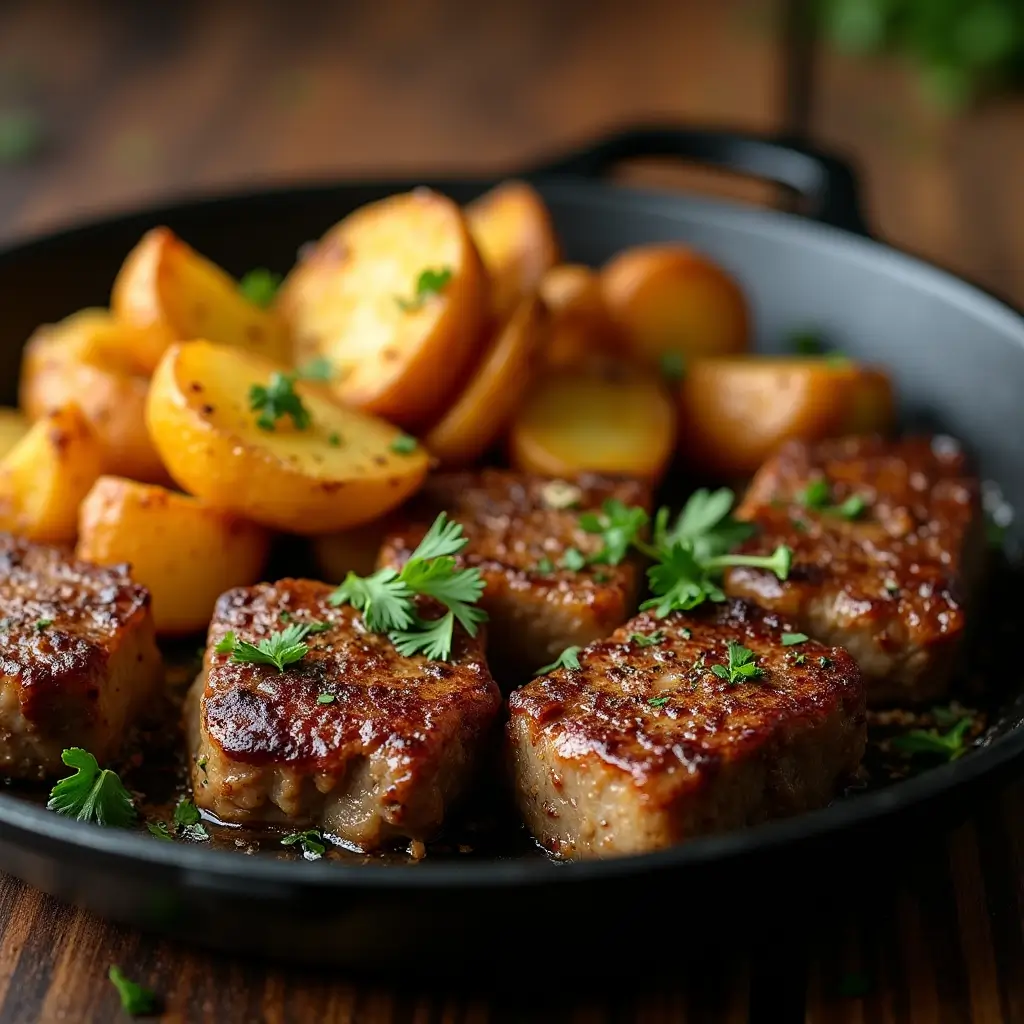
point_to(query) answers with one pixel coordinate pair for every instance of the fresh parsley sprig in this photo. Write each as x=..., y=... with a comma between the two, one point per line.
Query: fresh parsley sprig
x=136, y=999
x=280, y=649
x=741, y=667
x=567, y=659
x=817, y=495
x=91, y=794
x=276, y=400
x=948, y=745
x=386, y=599
x=430, y=282
x=311, y=842
x=619, y=526
x=260, y=286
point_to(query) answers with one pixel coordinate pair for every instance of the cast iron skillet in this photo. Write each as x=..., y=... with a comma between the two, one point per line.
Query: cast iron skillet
x=958, y=357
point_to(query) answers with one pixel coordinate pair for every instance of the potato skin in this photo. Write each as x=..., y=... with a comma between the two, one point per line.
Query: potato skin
x=512, y=229
x=186, y=553
x=89, y=359
x=13, y=427
x=45, y=476
x=200, y=419
x=495, y=391
x=581, y=325
x=613, y=419
x=342, y=303
x=668, y=298
x=168, y=292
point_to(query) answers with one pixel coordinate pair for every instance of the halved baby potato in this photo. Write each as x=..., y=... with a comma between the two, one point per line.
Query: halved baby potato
x=734, y=412
x=513, y=231
x=495, y=391
x=341, y=470
x=670, y=300
x=13, y=427
x=394, y=297
x=614, y=419
x=92, y=359
x=185, y=552
x=581, y=326
x=45, y=476
x=169, y=292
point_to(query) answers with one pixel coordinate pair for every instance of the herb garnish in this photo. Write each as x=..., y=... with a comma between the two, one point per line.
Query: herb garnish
x=647, y=640
x=260, y=286
x=311, y=842
x=187, y=822
x=386, y=598
x=160, y=831
x=573, y=560
x=658, y=702
x=791, y=639
x=825, y=662
x=545, y=566
x=949, y=745
x=818, y=495
x=317, y=369
x=741, y=665
x=334, y=439
x=277, y=399
x=403, y=444
x=42, y=624
x=429, y=283
x=799, y=659
x=567, y=659
x=136, y=1000
x=91, y=794
x=325, y=698
x=280, y=649
x=619, y=526
x=672, y=365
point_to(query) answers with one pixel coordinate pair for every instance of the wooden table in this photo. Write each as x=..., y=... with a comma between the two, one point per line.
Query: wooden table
x=141, y=100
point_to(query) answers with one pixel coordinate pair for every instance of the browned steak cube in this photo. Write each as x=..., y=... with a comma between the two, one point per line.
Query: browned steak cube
x=79, y=658
x=644, y=745
x=519, y=528
x=367, y=744
x=889, y=583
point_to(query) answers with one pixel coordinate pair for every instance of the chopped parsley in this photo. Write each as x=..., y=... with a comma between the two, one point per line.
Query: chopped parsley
x=334, y=439
x=948, y=745
x=42, y=624
x=136, y=1000
x=317, y=369
x=260, y=286
x=825, y=662
x=325, y=698
x=799, y=659
x=567, y=659
x=658, y=702
x=311, y=842
x=187, y=822
x=403, y=445
x=741, y=665
x=647, y=640
x=619, y=526
x=386, y=598
x=818, y=495
x=429, y=283
x=160, y=830
x=791, y=639
x=276, y=400
x=280, y=649
x=545, y=565
x=573, y=560
x=91, y=794
x=672, y=365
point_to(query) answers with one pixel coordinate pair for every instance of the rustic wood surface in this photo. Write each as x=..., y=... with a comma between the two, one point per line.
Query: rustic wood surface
x=143, y=100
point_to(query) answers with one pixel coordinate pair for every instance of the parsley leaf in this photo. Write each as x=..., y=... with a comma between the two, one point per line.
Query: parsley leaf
x=325, y=698
x=705, y=524
x=160, y=830
x=672, y=365
x=43, y=624
x=679, y=583
x=790, y=639
x=647, y=640
x=573, y=560
x=430, y=637
x=280, y=649
x=311, y=842
x=136, y=1000
x=619, y=526
x=741, y=665
x=403, y=445
x=658, y=702
x=429, y=283
x=260, y=286
x=949, y=745
x=317, y=369
x=91, y=794
x=818, y=495
x=277, y=399
x=545, y=566
x=567, y=659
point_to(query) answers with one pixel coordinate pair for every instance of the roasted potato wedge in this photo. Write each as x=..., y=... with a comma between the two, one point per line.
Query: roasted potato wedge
x=495, y=390
x=734, y=412
x=169, y=292
x=394, y=297
x=356, y=550
x=91, y=359
x=13, y=427
x=339, y=471
x=45, y=476
x=185, y=552
x=513, y=231
x=670, y=299
x=581, y=326
x=615, y=420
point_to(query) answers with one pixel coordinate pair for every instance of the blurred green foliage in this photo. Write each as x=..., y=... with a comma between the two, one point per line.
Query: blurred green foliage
x=961, y=47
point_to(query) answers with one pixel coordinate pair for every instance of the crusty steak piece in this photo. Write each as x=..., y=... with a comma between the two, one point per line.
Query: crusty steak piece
x=891, y=584
x=382, y=760
x=78, y=657
x=519, y=527
x=644, y=745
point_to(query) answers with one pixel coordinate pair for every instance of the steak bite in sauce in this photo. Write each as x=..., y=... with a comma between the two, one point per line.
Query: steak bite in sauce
x=79, y=658
x=888, y=544
x=525, y=538
x=646, y=744
x=353, y=738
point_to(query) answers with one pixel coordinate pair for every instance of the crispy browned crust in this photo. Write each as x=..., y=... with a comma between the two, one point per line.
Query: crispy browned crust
x=511, y=527
x=890, y=586
x=682, y=768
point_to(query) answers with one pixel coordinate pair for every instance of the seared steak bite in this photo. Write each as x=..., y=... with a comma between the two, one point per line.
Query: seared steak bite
x=78, y=658
x=354, y=738
x=888, y=541
x=646, y=744
x=523, y=532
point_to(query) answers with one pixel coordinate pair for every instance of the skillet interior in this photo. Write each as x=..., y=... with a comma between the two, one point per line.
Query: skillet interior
x=955, y=353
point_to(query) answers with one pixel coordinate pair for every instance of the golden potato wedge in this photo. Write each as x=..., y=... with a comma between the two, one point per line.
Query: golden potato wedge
x=185, y=552
x=168, y=292
x=394, y=297
x=670, y=299
x=90, y=359
x=495, y=391
x=734, y=412
x=341, y=470
x=614, y=420
x=581, y=326
x=45, y=476
x=13, y=427
x=513, y=231
x=356, y=550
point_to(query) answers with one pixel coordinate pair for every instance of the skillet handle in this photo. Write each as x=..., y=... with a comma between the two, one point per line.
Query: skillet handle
x=826, y=184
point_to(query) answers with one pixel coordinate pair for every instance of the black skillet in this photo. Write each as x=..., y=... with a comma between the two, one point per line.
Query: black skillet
x=957, y=355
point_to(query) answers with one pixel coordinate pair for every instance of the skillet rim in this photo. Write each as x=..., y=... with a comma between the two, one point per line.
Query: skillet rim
x=33, y=828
